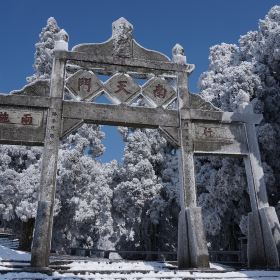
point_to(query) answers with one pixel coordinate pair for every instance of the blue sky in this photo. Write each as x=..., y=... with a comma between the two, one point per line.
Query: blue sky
x=195, y=24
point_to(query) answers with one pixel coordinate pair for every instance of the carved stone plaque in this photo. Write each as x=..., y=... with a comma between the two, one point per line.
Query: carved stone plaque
x=122, y=88
x=158, y=91
x=219, y=138
x=84, y=85
x=22, y=126
x=9, y=116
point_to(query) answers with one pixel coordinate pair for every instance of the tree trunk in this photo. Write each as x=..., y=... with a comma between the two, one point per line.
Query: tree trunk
x=26, y=235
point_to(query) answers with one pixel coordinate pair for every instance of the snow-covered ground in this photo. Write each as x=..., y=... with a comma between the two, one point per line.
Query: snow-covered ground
x=183, y=275
x=122, y=270
x=10, y=254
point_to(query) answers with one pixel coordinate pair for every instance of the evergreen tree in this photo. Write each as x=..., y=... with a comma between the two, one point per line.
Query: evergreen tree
x=84, y=219
x=24, y=162
x=44, y=51
x=237, y=73
x=145, y=205
x=81, y=179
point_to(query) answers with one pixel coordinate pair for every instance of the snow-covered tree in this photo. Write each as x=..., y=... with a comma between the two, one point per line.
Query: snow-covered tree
x=44, y=51
x=84, y=193
x=145, y=205
x=237, y=73
x=24, y=162
x=17, y=166
x=222, y=195
x=19, y=169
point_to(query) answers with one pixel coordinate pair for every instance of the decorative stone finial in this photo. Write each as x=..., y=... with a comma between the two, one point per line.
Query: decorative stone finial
x=243, y=102
x=62, y=39
x=62, y=35
x=178, y=54
x=178, y=50
x=122, y=37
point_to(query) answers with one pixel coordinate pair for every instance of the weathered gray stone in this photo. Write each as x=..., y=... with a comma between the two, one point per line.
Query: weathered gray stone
x=61, y=40
x=183, y=254
x=25, y=101
x=22, y=125
x=250, y=184
x=269, y=223
x=121, y=88
x=44, y=220
x=105, y=65
x=122, y=114
x=197, y=102
x=271, y=233
x=40, y=244
x=84, y=85
x=197, y=240
x=263, y=238
x=171, y=134
x=197, y=249
x=219, y=138
x=223, y=117
x=121, y=44
x=122, y=37
x=40, y=87
x=256, y=166
x=21, y=117
x=255, y=248
x=158, y=92
x=70, y=125
x=179, y=54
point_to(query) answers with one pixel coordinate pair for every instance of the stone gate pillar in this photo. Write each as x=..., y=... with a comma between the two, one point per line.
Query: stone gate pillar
x=263, y=224
x=192, y=248
x=44, y=220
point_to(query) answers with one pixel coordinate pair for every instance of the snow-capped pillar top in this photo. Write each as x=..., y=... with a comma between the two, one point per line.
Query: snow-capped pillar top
x=122, y=37
x=61, y=42
x=178, y=54
x=246, y=106
x=179, y=58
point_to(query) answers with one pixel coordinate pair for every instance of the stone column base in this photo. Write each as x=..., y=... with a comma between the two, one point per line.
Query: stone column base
x=263, y=238
x=192, y=248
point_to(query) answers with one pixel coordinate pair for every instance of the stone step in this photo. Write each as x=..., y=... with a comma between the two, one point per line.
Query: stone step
x=91, y=276
x=63, y=267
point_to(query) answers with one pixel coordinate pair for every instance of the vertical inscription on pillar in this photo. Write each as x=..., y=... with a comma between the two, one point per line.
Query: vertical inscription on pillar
x=53, y=126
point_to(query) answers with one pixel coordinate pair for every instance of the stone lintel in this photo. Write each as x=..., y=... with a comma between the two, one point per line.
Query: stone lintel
x=219, y=116
x=120, y=114
x=152, y=65
x=25, y=100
